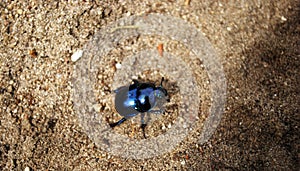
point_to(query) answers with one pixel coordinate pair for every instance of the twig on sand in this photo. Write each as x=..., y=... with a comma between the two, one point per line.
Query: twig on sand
x=124, y=27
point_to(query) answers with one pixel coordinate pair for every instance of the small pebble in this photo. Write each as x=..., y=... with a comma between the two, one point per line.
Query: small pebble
x=283, y=18
x=128, y=14
x=9, y=89
x=33, y=53
x=77, y=55
x=27, y=168
x=187, y=2
x=134, y=77
x=58, y=76
x=20, y=11
x=118, y=65
x=15, y=110
x=97, y=107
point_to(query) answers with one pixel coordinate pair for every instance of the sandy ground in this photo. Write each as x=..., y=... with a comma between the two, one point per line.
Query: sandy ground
x=258, y=42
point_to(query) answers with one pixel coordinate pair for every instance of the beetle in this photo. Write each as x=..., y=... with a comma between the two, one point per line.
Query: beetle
x=139, y=97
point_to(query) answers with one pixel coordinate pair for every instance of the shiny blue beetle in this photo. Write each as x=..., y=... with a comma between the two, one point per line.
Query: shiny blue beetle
x=139, y=98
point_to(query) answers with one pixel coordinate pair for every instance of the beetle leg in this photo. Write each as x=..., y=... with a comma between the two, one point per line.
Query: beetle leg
x=112, y=125
x=156, y=111
x=148, y=117
x=143, y=126
x=162, y=80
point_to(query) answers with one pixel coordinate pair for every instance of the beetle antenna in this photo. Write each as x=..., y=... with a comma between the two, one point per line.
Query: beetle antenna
x=162, y=79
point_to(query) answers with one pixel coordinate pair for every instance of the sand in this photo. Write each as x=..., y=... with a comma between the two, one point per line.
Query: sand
x=257, y=42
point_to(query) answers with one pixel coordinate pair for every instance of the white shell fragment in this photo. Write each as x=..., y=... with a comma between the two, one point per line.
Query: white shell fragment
x=76, y=55
x=283, y=18
x=118, y=65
